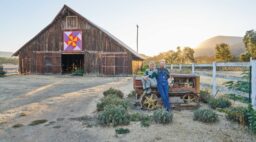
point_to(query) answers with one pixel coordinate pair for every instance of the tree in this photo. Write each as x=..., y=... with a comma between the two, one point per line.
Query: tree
x=188, y=55
x=223, y=52
x=245, y=57
x=250, y=45
x=180, y=56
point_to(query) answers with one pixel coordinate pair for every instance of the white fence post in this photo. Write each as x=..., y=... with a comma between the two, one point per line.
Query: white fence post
x=214, y=90
x=180, y=67
x=171, y=67
x=193, y=68
x=253, y=82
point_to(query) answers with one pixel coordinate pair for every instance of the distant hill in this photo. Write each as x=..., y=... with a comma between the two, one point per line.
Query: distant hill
x=207, y=47
x=5, y=54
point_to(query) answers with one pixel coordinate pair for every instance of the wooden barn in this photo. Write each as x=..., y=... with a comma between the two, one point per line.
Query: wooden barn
x=71, y=42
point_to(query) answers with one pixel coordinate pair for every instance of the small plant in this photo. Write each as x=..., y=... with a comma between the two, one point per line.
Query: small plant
x=135, y=117
x=37, y=122
x=114, y=115
x=17, y=125
x=122, y=130
x=145, y=121
x=251, y=116
x=112, y=91
x=78, y=72
x=242, y=86
x=237, y=114
x=162, y=116
x=205, y=96
x=219, y=103
x=111, y=100
x=205, y=115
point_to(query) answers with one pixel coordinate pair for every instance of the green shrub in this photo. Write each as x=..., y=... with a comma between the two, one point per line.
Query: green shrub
x=205, y=115
x=237, y=98
x=251, y=116
x=78, y=72
x=242, y=86
x=237, y=114
x=111, y=100
x=205, y=96
x=114, y=115
x=122, y=130
x=145, y=121
x=162, y=116
x=135, y=116
x=219, y=103
x=112, y=91
x=37, y=122
x=17, y=125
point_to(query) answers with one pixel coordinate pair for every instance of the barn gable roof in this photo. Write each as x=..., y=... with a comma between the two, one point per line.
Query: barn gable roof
x=65, y=7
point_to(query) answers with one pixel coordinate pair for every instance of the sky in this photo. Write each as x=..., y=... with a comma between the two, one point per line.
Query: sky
x=163, y=24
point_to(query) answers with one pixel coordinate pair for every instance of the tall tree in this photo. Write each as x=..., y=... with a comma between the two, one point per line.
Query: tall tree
x=223, y=52
x=188, y=55
x=250, y=45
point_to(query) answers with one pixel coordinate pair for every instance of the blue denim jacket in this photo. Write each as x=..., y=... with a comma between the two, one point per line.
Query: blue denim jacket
x=162, y=76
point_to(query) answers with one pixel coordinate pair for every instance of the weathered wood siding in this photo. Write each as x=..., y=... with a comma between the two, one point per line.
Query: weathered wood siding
x=43, y=53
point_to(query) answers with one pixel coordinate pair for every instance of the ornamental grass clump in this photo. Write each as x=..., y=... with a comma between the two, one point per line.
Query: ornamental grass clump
x=237, y=114
x=162, y=116
x=114, y=115
x=145, y=121
x=219, y=103
x=111, y=100
x=205, y=115
x=112, y=91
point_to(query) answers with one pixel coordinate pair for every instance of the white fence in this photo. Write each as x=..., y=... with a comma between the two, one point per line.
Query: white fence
x=214, y=66
x=10, y=69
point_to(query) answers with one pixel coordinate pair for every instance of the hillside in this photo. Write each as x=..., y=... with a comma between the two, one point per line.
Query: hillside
x=207, y=47
x=5, y=54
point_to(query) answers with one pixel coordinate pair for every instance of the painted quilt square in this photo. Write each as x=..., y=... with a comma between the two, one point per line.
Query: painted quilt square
x=72, y=41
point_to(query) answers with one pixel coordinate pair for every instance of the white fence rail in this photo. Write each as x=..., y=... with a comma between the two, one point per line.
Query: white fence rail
x=214, y=66
x=10, y=69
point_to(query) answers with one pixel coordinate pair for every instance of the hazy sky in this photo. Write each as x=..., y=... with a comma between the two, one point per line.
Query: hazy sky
x=164, y=24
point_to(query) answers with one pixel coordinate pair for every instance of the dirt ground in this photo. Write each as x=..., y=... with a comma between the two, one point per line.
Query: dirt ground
x=59, y=99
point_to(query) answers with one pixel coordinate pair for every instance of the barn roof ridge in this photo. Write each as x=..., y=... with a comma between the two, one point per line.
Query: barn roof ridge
x=101, y=29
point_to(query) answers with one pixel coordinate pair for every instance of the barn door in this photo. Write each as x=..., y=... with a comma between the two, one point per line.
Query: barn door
x=48, y=63
x=39, y=63
x=52, y=62
x=26, y=65
x=114, y=63
x=108, y=64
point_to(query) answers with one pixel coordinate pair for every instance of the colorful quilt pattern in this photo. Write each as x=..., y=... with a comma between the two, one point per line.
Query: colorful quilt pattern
x=72, y=41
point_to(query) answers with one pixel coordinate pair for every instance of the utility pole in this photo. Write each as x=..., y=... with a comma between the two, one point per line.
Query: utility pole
x=137, y=38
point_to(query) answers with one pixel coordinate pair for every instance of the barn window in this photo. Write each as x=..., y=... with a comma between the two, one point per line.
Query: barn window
x=71, y=22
